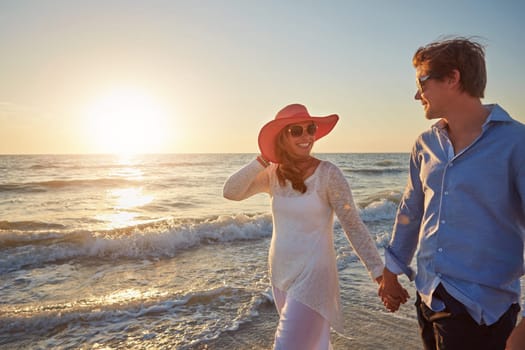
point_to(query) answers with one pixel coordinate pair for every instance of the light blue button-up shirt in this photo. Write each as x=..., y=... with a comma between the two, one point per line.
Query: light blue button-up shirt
x=466, y=212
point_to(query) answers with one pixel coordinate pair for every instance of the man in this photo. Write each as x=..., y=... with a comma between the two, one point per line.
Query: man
x=464, y=206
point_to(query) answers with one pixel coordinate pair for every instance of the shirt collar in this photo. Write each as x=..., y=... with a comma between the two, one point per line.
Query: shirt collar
x=497, y=114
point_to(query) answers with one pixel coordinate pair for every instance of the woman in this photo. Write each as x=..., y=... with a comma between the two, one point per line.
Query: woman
x=305, y=192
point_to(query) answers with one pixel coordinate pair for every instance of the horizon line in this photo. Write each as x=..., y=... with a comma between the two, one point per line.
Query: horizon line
x=173, y=153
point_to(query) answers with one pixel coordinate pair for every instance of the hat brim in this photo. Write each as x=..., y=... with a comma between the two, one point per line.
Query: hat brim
x=269, y=132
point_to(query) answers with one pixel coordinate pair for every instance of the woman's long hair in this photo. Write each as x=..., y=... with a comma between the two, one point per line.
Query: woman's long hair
x=287, y=169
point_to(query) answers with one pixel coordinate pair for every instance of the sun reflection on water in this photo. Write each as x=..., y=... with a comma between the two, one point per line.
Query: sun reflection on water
x=123, y=295
x=127, y=198
x=124, y=203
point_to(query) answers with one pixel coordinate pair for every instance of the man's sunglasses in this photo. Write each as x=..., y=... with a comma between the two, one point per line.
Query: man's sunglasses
x=297, y=130
x=420, y=82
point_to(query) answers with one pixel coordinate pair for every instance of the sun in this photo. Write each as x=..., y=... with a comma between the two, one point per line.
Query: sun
x=126, y=120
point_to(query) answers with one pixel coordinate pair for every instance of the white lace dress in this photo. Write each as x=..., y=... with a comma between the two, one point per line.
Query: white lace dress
x=302, y=257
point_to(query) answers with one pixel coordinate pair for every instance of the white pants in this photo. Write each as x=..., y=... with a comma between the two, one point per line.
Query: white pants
x=300, y=328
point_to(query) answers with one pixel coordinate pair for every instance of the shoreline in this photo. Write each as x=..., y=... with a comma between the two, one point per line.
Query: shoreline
x=365, y=329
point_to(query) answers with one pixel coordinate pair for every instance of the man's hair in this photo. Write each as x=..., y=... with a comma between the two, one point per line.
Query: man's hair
x=467, y=56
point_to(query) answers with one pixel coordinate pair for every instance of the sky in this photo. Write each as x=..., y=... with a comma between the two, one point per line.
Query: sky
x=152, y=76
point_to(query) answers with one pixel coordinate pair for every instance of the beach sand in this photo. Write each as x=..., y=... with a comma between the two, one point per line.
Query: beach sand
x=387, y=331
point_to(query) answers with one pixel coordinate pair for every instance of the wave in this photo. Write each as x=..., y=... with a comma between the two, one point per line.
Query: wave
x=386, y=163
x=30, y=225
x=206, y=164
x=381, y=196
x=382, y=209
x=33, y=243
x=44, y=166
x=121, y=166
x=20, y=187
x=164, y=238
x=41, y=186
x=166, y=316
x=375, y=171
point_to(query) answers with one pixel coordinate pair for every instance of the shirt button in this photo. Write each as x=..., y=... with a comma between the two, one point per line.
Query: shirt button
x=440, y=250
x=443, y=221
x=446, y=193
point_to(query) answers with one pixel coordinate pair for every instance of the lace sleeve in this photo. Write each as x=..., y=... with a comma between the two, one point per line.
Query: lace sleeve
x=341, y=200
x=249, y=180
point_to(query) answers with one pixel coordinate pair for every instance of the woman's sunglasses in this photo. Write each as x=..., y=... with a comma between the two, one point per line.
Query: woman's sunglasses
x=297, y=130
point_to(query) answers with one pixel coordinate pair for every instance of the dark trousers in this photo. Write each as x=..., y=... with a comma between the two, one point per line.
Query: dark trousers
x=454, y=329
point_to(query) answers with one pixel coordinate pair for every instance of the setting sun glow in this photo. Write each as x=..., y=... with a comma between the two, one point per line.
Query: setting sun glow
x=126, y=120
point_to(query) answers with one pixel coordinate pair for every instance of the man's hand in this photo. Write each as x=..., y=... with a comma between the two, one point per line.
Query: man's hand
x=391, y=292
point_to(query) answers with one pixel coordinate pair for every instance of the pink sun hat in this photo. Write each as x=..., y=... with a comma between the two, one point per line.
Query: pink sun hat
x=291, y=114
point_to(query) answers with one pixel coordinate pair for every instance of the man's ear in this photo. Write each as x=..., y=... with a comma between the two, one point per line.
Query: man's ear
x=454, y=78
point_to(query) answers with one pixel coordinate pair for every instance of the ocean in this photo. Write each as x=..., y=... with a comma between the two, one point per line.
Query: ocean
x=143, y=252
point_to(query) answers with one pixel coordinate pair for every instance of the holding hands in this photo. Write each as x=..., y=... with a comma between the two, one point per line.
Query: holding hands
x=391, y=292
